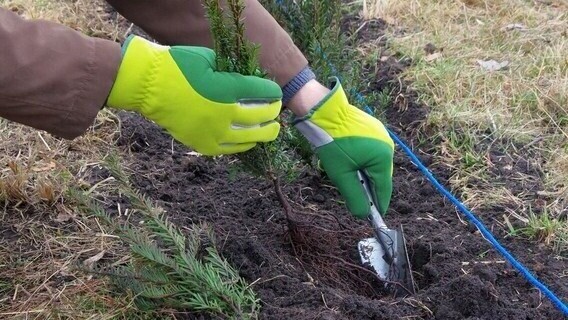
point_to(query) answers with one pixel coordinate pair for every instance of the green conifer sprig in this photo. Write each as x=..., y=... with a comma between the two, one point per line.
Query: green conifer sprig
x=269, y=160
x=170, y=268
x=234, y=53
x=317, y=27
x=222, y=44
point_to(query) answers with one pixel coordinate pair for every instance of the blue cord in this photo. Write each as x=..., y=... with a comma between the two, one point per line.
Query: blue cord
x=486, y=233
x=522, y=269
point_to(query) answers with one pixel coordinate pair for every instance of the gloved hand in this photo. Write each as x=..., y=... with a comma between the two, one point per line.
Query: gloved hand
x=179, y=88
x=346, y=140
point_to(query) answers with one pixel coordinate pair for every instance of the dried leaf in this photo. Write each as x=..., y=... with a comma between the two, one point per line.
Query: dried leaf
x=544, y=82
x=432, y=57
x=14, y=167
x=89, y=263
x=64, y=214
x=63, y=217
x=492, y=65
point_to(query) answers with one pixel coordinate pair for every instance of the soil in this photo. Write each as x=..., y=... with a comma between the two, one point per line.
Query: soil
x=458, y=274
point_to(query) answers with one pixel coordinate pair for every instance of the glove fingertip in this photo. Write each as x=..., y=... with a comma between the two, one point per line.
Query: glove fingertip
x=274, y=108
x=358, y=207
x=383, y=193
x=265, y=88
x=275, y=126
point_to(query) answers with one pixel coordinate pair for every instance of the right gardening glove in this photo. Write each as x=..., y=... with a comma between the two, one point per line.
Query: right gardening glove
x=348, y=140
x=179, y=88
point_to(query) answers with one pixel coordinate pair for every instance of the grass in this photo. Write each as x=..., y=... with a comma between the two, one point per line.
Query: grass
x=518, y=113
x=546, y=229
x=88, y=17
x=51, y=248
x=47, y=241
x=42, y=237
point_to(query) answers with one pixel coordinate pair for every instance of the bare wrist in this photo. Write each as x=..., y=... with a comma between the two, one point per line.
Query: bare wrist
x=307, y=97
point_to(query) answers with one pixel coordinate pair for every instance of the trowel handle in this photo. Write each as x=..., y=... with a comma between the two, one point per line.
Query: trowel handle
x=375, y=216
x=376, y=219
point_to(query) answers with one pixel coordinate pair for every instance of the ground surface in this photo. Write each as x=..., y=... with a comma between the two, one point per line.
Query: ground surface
x=458, y=274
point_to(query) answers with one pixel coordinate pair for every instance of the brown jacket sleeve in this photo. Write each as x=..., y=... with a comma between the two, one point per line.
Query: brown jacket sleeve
x=183, y=22
x=55, y=79
x=52, y=77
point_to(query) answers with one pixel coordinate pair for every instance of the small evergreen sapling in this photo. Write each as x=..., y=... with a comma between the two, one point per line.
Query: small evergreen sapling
x=274, y=160
x=317, y=27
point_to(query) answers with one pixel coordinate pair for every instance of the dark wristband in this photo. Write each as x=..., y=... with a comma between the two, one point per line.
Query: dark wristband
x=294, y=85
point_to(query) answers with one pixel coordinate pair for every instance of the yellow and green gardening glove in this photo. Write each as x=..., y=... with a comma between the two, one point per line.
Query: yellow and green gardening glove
x=179, y=88
x=348, y=140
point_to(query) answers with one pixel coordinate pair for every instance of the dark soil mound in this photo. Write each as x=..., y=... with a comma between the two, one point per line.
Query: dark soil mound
x=458, y=274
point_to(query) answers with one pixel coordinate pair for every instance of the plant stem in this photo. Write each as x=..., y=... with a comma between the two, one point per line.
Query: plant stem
x=281, y=197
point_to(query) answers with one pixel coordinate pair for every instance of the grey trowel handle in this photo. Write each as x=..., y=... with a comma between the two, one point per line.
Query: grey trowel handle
x=377, y=221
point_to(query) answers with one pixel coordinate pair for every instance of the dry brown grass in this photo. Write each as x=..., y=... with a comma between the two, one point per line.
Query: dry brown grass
x=88, y=17
x=520, y=111
x=45, y=242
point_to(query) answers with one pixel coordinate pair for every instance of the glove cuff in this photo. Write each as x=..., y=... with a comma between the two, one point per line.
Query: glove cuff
x=316, y=136
x=136, y=71
x=327, y=117
x=329, y=105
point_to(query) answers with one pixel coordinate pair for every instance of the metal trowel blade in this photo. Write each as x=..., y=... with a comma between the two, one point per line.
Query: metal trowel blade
x=397, y=276
x=372, y=253
x=404, y=276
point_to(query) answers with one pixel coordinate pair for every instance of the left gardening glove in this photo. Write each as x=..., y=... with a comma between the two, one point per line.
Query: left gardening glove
x=180, y=89
x=348, y=140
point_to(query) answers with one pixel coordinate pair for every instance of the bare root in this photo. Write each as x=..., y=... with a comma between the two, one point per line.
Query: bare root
x=320, y=250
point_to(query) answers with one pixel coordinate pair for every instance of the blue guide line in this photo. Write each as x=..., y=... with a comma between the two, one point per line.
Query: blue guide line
x=521, y=268
x=472, y=218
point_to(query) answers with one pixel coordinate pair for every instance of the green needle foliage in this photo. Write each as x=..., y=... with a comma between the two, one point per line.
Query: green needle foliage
x=273, y=160
x=316, y=27
x=234, y=53
x=184, y=273
x=171, y=269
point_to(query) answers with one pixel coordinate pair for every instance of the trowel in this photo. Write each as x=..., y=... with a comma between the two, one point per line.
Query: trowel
x=386, y=252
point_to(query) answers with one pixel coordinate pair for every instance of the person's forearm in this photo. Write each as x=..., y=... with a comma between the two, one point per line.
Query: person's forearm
x=52, y=77
x=183, y=22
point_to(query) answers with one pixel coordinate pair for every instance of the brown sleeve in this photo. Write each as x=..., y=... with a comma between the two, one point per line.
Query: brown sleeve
x=52, y=77
x=183, y=22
